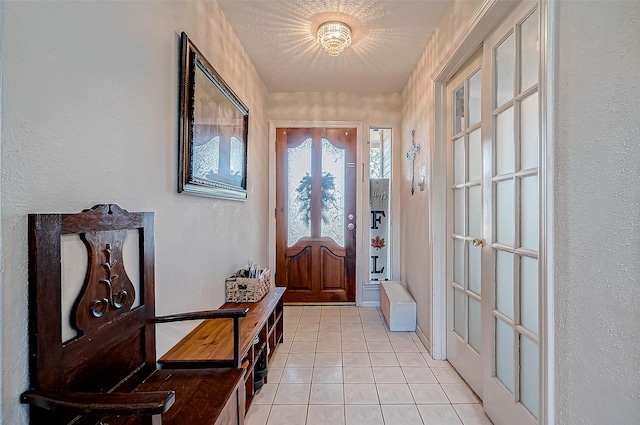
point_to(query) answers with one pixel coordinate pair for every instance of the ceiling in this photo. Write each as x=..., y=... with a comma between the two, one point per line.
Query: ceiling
x=388, y=38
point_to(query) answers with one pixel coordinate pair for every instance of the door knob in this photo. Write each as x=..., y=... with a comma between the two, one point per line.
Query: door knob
x=350, y=226
x=350, y=217
x=478, y=242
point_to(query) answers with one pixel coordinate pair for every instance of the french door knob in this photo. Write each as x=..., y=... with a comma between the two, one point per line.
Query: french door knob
x=478, y=242
x=350, y=226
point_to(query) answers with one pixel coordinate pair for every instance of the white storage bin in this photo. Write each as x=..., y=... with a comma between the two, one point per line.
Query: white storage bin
x=398, y=307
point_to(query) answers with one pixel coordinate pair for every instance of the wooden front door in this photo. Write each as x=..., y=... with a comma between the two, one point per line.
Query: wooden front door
x=315, y=214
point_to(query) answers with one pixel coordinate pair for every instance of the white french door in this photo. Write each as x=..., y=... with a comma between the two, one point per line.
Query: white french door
x=511, y=192
x=464, y=179
x=493, y=209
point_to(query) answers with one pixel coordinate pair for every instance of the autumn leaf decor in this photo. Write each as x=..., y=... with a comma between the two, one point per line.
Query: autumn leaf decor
x=377, y=243
x=327, y=196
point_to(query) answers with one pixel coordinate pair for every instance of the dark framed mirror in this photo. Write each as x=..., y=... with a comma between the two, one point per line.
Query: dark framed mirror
x=213, y=130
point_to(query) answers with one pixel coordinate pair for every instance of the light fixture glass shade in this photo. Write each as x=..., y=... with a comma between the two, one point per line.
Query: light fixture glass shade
x=334, y=37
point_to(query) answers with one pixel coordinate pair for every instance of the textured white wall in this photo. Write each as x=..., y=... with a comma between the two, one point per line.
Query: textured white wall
x=418, y=114
x=380, y=110
x=597, y=231
x=90, y=116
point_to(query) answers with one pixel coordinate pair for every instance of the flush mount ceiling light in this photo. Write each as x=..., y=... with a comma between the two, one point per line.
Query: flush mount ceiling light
x=334, y=37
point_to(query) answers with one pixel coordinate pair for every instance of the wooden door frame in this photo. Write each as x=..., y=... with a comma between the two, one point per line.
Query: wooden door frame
x=488, y=16
x=362, y=223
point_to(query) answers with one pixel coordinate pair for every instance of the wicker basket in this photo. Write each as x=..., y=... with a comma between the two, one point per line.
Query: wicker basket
x=245, y=290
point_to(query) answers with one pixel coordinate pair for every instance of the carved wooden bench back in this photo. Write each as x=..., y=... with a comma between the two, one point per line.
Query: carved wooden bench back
x=115, y=346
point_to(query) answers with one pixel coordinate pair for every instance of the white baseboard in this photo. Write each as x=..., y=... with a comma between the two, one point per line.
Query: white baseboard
x=423, y=338
x=370, y=303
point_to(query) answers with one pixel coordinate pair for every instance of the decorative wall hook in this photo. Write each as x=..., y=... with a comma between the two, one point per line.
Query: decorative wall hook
x=411, y=156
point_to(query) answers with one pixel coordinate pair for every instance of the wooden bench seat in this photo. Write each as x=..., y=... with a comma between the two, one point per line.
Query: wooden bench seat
x=196, y=388
x=104, y=370
x=209, y=343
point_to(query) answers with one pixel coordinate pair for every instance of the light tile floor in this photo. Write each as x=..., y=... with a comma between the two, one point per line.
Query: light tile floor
x=342, y=366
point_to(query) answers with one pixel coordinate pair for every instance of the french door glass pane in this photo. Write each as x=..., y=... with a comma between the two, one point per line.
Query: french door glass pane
x=529, y=213
x=504, y=212
x=529, y=380
x=504, y=283
x=299, y=192
x=475, y=211
x=458, y=113
x=529, y=293
x=458, y=261
x=504, y=354
x=529, y=52
x=459, y=316
x=475, y=104
x=475, y=338
x=504, y=68
x=475, y=156
x=333, y=185
x=458, y=161
x=458, y=208
x=504, y=142
x=474, y=269
x=529, y=132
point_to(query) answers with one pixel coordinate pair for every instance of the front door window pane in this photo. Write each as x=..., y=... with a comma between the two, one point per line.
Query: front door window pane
x=332, y=192
x=206, y=158
x=235, y=161
x=299, y=192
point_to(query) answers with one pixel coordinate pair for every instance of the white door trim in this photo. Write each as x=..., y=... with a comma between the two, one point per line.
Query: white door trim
x=362, y=221
x=438, y=222
x=548, y=96
x=488, y=16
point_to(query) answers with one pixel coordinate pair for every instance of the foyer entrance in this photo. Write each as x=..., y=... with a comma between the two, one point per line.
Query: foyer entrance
x=315, y=214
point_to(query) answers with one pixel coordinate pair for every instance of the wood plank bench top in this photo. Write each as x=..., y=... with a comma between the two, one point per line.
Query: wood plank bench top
x=212, y=340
